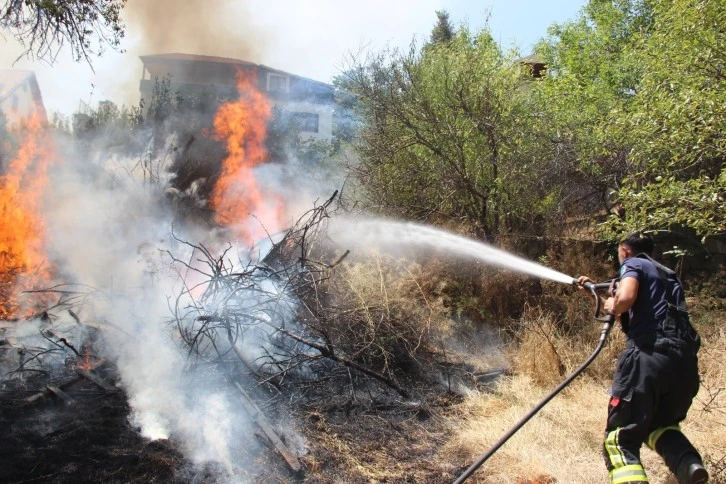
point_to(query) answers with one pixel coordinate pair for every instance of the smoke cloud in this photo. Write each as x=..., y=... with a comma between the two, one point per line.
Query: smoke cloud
x=208, y=27
x=215, y=27
x=110, y=231
x=310, y=39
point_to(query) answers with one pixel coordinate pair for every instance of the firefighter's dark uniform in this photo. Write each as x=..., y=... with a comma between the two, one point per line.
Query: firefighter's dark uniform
x=656, y=376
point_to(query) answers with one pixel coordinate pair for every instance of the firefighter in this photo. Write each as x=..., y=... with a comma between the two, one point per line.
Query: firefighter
x=657, y=374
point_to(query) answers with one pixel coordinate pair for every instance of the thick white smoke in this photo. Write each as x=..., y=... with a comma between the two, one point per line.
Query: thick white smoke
x=292, y=36
x=109, y=230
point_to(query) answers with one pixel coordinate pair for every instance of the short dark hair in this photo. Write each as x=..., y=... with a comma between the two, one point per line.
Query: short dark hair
x=639, y=243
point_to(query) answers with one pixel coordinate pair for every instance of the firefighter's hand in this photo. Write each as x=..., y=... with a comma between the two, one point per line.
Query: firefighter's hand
x=609, y=306
x=581, y=281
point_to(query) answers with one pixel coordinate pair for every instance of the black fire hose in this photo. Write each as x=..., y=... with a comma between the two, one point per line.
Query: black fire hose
x=608, y=321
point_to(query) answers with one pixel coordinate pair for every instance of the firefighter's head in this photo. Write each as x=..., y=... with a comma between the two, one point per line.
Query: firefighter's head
x=634, y=244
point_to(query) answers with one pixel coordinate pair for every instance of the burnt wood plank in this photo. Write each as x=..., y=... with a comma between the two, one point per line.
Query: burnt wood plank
x=97, y=380
x=63, y=383
x=266, y=427
x=60, y=394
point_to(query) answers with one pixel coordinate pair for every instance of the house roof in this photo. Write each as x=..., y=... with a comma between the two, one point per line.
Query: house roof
x=221, y=60
x=178, y=56
x=12, y=79
x=531, y=59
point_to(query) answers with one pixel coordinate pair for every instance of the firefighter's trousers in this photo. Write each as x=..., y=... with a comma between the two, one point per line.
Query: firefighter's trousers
x=652, y=390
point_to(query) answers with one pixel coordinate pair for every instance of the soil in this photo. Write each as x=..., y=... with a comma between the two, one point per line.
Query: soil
x=360, y=438
x=89, y=440
x=369, y=441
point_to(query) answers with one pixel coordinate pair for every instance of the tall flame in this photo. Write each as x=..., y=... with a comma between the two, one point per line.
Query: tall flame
x=237, y=196
x=22, y=229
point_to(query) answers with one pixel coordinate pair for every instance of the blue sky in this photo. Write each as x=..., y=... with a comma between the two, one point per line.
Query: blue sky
x=515, y=22
x=310, y=38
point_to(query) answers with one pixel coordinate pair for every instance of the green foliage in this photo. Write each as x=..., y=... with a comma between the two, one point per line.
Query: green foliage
x=445, y=137
x=635, y=100
x=628, y=122
x=43, y=27
x=443, y=31
x=346, y=114
x=697, y=203
x=107, y=122
x=163, y=101
x=676, y=124
x=591, y=81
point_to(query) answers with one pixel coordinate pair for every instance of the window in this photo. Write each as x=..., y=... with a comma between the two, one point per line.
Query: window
x=308, y=122
x=277, y=83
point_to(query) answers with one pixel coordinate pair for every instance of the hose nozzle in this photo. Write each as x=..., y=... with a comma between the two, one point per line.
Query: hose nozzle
x=592, y=286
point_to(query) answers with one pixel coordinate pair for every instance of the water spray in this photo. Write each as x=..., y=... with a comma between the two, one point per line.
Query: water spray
x=393, y=236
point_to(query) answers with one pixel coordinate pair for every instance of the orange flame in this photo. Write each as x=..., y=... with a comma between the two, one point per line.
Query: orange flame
x=22, y=229
x=242, y=125
x=86, y=363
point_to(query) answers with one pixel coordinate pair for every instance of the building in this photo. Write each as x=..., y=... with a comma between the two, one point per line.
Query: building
x=308, y=102
x=20, y=95
x=534, y=66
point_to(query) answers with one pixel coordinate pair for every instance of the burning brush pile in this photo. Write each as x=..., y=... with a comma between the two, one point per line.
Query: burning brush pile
x=137, y=343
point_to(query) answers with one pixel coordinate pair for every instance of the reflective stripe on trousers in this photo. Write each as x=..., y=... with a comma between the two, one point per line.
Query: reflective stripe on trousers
x=655, y=435
x=622, y=471
x=627, y=474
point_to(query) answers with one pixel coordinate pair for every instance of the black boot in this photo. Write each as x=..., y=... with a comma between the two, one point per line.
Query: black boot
x=691, y=470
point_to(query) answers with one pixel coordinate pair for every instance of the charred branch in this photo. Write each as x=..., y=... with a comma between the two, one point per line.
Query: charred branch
x=328, y=351
x=270, y=315
x=66, y=382
x=96, y=380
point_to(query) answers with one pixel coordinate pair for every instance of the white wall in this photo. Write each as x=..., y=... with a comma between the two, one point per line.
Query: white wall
x=325, y=117
x=20, y=104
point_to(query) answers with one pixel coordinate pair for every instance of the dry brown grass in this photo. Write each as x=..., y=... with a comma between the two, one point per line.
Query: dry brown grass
x=706, y=423
x=382, y=313
x=388, y=303
x=540, y=352
x=546, y=353
x=564, y=440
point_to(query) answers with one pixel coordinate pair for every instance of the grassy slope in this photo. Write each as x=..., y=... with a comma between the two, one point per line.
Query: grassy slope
x=434, y=436
x=359, y=443
x=564, y=440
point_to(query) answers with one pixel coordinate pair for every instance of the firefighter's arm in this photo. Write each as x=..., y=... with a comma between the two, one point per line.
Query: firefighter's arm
x=624, y=297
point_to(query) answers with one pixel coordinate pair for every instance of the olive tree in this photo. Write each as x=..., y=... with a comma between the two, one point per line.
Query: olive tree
x=676, y=124
x=446, y=136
